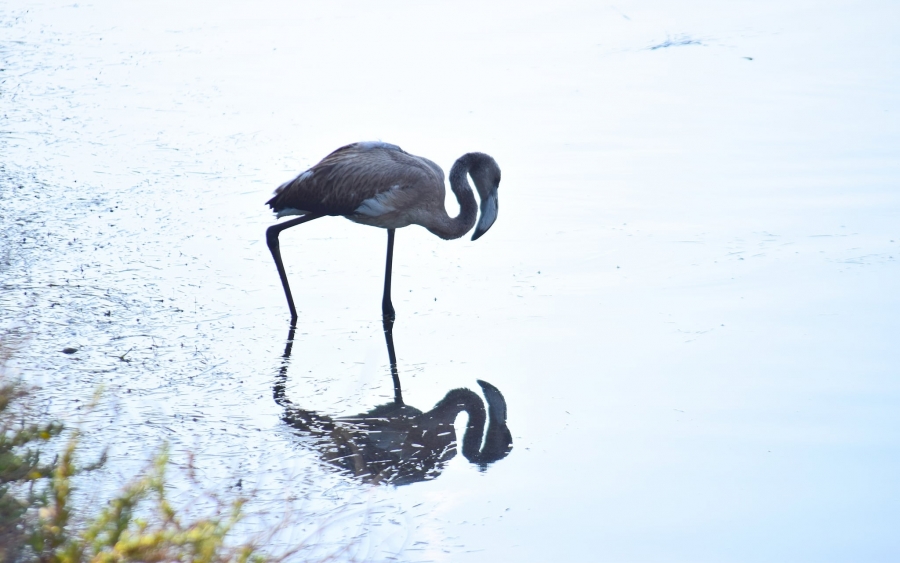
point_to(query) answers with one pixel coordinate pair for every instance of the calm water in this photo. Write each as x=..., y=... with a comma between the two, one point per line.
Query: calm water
x=688, y=303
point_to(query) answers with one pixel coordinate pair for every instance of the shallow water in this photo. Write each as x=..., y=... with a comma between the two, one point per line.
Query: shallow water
x=688, y=300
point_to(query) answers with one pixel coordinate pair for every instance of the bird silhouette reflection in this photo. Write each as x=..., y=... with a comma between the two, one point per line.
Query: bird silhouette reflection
x=398, y=444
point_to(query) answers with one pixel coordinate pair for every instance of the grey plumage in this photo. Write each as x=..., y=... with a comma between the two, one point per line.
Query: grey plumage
x=382, y=185
x=399, y=444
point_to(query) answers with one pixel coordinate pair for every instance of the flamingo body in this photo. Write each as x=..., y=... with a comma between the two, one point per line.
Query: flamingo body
x=399, y=444
x=374, y=184
x=381, y=185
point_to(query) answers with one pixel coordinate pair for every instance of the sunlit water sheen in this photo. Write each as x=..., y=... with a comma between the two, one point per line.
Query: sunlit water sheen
x=689, y=299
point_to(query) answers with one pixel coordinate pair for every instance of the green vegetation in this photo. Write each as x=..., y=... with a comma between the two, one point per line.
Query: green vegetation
x=38, y=522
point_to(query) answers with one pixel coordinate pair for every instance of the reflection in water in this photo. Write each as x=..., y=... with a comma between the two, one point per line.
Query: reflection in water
x=399, y=444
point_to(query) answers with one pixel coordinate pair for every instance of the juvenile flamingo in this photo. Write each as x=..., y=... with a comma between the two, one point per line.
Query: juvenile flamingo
x=381, y=185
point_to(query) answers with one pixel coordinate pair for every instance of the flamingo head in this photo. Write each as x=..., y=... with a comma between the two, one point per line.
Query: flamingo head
x=486, y=174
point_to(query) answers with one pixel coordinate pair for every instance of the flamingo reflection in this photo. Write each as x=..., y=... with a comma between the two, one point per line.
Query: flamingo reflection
x=396, y=443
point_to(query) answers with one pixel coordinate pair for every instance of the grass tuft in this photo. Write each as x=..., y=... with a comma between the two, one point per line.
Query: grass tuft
x=37, y=519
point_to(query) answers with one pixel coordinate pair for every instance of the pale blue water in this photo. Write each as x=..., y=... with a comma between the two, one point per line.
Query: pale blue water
x=689, y=299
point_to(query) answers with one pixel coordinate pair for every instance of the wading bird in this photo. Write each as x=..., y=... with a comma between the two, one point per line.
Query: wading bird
x=379, y=184
x=399, y=444
x=396, y=443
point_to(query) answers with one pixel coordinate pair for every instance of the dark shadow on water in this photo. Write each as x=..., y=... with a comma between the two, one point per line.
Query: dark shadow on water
x=398, y=444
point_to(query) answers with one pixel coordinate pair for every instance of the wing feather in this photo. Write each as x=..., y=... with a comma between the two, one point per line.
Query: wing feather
x=352, y=174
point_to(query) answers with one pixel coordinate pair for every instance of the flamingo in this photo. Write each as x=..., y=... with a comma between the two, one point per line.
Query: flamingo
x=396, y=443
x=399, y=444
x=381, y=185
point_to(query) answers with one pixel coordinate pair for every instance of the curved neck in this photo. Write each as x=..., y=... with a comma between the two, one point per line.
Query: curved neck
x=459, y=400
x=454, y=227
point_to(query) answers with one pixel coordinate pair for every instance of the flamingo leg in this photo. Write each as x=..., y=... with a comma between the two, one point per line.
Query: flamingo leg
x=387, y=308
x=389, y=339
x=272, y=240
x=281, y=378
x=387, y=319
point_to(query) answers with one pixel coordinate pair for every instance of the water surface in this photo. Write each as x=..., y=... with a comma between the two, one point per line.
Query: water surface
x=688, y=301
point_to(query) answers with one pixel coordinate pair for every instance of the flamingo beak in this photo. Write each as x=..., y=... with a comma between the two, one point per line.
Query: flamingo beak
x=488, y=215
x=496, y=402
x=497, y=439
